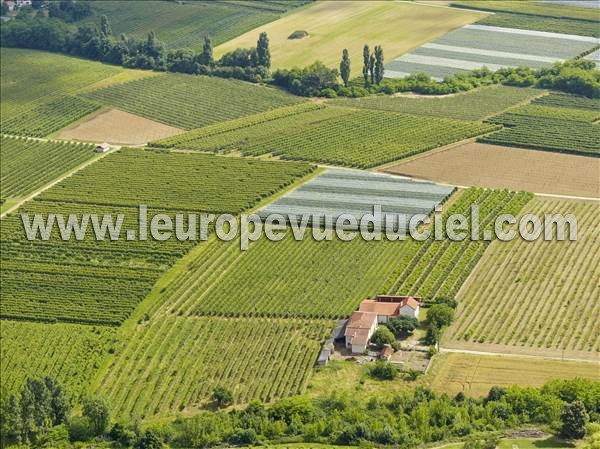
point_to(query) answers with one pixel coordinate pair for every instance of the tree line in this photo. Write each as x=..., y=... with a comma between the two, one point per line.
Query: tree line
x=98, y=43
x=41, y=416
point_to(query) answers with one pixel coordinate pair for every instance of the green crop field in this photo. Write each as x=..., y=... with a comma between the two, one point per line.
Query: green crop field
x=563, y=100
x=184, y=25
x=102, y=281
x=545, y=127
x=38, y=88
x=339, y=136
x=473, y=105
x=538, y=16
x=536, y=296
x=172, y=364
x=188, y=101
x=220, y=307
x=30, y=164
x=71, y=353
x=333, y=26
x=176, y=181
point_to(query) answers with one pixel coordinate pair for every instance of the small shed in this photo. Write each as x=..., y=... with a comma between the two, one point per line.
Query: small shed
x=102, y=148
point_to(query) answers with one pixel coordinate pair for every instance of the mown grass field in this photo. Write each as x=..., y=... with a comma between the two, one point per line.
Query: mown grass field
x=101, y=281
x=187, y=101
x=333, y=26
x=472, y=105
x=474, y=375
x=331, y=135
x=70, y=353
x=30, y=164
x=184, y=25
x=535, y=297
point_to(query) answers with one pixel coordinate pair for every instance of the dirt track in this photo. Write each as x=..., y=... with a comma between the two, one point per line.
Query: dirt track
x=117, y=127
x=476, y=164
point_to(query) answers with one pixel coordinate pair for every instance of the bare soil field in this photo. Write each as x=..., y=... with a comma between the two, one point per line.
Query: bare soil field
x=117, y=127
x=477, y=164
x=474, y=375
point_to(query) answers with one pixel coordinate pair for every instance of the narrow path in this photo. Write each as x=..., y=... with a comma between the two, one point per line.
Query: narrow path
x=57, y=180
x=530, y=356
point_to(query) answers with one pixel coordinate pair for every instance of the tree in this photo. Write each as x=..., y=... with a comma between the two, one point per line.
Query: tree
x=222, y=396
x=403, y=326
x=150, y=439
x=105, y=26
x=574, y=419
x=345, y=67
x=382, y=336
x=5, y=9
x=59, y=405
x=378, y=64
x=262, y=51
x=206, y=57
x=366, y=62
x=439, y=315
x=97, y=411
x=372, y=68
x=10, y=421
x=383, y=370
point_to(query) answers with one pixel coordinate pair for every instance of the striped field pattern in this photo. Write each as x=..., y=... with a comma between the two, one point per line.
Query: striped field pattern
x=474, y=46
x=356, y=193
x=535, y=295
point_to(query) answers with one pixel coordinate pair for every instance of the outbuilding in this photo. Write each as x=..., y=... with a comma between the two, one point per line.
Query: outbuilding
x=102, y=148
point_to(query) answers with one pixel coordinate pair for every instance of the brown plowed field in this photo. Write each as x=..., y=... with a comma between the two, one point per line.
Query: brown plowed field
x=482, y=165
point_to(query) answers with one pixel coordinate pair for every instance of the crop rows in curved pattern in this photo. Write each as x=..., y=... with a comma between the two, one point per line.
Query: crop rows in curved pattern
x=70, y=353
x=176, y=181
x=30, y=164
x=537, y=294
x=172, y=364
x=188, y=101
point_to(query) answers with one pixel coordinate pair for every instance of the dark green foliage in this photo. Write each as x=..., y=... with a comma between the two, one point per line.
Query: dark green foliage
x=309, y=81
x=439, y=315
x=366, y=64
x=29, y=417
x=206, y=57
x=488, y=442
x=378, y=65
x=345, y=67
x=574, y=419
x=263, y=54
x=382, y=336
x=97, y=411
x=222, y=397
x=383, y=370
x=402, y=326
x=69, y=10
x=298, y=34
x=150, y=439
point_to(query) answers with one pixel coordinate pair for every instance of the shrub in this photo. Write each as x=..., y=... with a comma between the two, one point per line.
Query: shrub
x=382, y=336
x=298, y=34
x=222, y=397
x=383, y=371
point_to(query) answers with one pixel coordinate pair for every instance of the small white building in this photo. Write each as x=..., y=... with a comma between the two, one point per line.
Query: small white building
x=102, y=148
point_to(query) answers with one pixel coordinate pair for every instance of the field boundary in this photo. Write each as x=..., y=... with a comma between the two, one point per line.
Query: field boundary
x=32, y=195
x=522, y=355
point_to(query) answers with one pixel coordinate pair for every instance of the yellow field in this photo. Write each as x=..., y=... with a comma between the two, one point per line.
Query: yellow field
x=332, y=26
x=537, y=297
x=474, y=375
